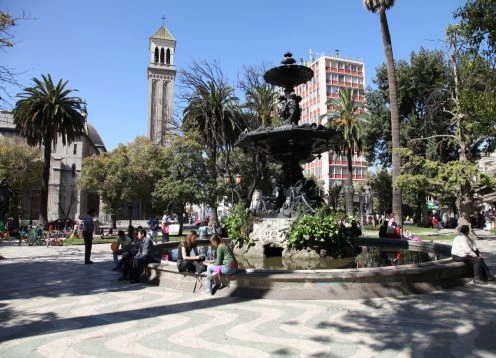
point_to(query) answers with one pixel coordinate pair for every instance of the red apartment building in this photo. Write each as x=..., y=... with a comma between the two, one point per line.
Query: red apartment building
x=331, y=73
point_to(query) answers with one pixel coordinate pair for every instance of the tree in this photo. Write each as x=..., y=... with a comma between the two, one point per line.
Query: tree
x=7, y=75
x=45, y=114
x=145, y=162
x=381, y=185
x=22, y=164
x=184, y=177
x=261, y=101
x=380, y=7
x=110, y=174
x=260, y=96
x=347, y=120
x=213, y=112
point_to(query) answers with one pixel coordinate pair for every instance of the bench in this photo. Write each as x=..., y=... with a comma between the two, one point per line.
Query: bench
x=166, y=274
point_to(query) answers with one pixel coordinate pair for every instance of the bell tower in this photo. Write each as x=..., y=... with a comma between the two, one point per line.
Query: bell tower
x=161, y=76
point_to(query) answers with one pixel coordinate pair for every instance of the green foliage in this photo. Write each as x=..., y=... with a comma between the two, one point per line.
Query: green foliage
x=184, y=178
x=45, y=114
x=23, y=166
x=239, y=225
x=323, y=231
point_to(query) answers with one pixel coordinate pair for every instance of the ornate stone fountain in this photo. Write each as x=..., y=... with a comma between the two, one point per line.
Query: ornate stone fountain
x=291, y=144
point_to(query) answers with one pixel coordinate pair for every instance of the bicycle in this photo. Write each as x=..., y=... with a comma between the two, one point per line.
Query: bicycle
x=35, y=237
x=55, y=238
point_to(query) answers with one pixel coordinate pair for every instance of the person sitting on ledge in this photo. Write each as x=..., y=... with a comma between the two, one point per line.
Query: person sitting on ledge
x=186, y=262
x=465, y=250
x=143, y=257
x=225, y=262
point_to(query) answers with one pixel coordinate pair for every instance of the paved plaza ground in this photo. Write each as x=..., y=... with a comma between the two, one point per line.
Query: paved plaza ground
x=52, y=305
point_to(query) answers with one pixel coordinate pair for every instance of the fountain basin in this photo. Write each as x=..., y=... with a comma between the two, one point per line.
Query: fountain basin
x=332, y=284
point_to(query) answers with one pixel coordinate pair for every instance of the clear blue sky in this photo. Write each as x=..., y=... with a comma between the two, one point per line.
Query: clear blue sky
x=101, y=46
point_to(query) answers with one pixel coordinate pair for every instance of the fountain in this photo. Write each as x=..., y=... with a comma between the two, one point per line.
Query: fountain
x=292, y=144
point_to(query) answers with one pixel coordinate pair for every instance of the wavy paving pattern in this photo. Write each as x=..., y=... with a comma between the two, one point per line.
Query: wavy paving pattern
x=51, y=305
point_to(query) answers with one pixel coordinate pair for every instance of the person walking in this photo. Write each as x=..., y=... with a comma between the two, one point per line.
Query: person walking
x=154, y=227
x=88, y=229
x=465, y=250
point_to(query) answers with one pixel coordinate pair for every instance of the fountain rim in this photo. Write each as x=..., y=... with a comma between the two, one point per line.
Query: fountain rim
x=328, y=284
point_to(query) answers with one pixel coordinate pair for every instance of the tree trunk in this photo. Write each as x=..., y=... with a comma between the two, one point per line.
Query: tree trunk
x=395, y=122
x=47, y=154
x=349, y=183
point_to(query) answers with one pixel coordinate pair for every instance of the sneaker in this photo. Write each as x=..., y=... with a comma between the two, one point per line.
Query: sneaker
x=88, y=262
x=207, y=292
x=478, y=282
x=491, y=278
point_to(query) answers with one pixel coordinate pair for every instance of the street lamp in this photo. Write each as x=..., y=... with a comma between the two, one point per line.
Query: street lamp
x=237, y=179
x=228, y=180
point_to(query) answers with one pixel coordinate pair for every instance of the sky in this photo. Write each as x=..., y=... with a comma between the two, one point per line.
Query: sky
x=101, y=47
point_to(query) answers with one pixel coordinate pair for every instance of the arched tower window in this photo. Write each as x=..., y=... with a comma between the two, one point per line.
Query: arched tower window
x=167, y=56
x=156, y=55
x=162, y=55
x=73, y=170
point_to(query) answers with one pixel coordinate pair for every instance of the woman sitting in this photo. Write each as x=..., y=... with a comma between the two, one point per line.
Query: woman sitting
x=186, y=262
x=224, y=264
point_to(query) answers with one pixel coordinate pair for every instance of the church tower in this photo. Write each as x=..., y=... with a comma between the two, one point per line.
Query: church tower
x=161, y=76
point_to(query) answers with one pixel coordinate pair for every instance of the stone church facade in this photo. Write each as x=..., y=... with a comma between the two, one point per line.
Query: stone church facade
x=65, y=198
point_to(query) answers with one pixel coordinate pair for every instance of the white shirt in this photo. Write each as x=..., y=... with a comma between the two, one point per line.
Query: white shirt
x=165, y=219
x=463, y=246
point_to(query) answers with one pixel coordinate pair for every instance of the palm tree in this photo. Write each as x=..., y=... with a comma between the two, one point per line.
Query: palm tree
x=380, y=7
x=213, y=112
x=44, y=114
x=347, y=120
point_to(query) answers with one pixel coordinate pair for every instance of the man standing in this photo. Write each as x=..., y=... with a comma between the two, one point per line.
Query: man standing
x=88, y=229
x=465, y=250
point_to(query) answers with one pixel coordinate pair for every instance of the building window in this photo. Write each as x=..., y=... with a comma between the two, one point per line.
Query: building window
x=162, y=55
x=75, y=149
x=167, y=57
x=156, y=55
x=73, y=170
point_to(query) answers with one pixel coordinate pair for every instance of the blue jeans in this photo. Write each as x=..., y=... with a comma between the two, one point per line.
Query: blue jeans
x=225, y=270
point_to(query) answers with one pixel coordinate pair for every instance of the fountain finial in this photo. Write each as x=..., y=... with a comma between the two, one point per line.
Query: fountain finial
x=288, y=59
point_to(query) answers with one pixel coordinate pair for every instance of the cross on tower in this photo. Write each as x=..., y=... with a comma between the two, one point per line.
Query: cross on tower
x=163, y=20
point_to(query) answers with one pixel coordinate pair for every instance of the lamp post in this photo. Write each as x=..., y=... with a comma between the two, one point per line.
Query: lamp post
x=228, y=180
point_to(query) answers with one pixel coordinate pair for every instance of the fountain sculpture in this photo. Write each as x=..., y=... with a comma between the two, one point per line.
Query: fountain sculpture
x=291, y=144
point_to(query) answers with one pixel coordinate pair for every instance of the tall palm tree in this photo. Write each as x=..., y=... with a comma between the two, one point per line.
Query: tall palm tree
x=347, y=120
x=380, y=7
x=46, y=113
x=214, y=113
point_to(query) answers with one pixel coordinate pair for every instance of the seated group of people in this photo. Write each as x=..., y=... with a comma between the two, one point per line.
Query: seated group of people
x=136, y=252
x=189, y=259
x=135, y=249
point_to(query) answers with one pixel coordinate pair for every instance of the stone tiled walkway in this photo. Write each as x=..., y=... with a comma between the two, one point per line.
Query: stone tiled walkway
x=51, y=305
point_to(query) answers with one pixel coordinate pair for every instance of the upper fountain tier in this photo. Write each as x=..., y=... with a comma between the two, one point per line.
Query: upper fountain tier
x=288, y=75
